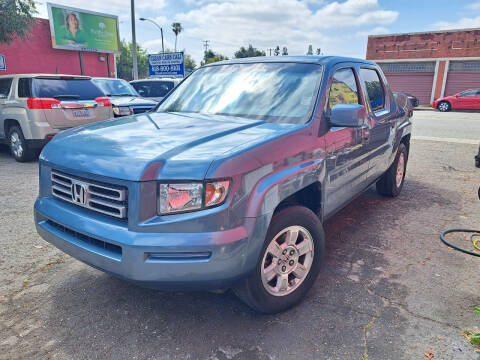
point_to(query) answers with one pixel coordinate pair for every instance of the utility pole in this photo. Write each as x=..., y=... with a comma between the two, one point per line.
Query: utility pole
x=205, y=44
x=134, y=42
x=270, y=50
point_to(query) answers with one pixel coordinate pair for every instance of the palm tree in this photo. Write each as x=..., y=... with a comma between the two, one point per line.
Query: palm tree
x=177, y=29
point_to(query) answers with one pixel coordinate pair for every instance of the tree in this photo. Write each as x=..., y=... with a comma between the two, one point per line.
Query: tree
x=125, y=61
x=189, y=62
x=319, y=51
x=250, y=52
x=310, y=50
x=16, y=19
x=211, y=57
x=177, y=29
x=284, y=51
x=276, y=52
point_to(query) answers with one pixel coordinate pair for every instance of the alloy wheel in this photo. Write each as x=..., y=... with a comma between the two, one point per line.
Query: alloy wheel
x=287, y=261
x=16, y=144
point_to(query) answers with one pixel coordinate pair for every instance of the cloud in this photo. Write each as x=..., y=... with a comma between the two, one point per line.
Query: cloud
x=264, y=24
x=474, y=6
x=375, y=31
x=463, y=23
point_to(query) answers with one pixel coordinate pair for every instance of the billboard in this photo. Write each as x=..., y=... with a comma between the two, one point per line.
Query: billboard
x=82, y=30
x=166, y=64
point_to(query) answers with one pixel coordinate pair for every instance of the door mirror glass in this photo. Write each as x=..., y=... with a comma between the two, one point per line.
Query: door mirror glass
x=347, y=115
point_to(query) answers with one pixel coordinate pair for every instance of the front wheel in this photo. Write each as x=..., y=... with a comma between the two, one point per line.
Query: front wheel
x=444, y=106
x=290, y=261
x=391, y=183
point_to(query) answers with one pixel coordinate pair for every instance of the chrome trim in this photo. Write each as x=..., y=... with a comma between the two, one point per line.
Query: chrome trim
x=98, y=197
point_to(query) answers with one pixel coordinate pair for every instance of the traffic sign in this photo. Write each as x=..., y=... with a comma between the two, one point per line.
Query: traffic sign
x=166, y=64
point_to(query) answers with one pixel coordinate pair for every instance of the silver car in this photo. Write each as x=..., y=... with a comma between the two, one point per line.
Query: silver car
x=155, y=88
x=34, y=107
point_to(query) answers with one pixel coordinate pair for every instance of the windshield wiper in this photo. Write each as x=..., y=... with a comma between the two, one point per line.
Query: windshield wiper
x=66, y=96
x=112, y=95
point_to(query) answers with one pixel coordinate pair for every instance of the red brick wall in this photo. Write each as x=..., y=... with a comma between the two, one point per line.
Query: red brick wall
x=36, y=55
x=445, y=44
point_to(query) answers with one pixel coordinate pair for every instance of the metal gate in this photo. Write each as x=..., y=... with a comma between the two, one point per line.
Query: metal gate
x=415, y=78
x=462, y=75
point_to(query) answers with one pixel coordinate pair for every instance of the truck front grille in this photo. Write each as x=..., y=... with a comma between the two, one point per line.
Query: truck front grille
x=103, y=198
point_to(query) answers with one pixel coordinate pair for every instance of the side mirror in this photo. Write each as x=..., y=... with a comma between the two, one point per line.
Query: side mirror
x=347, y=115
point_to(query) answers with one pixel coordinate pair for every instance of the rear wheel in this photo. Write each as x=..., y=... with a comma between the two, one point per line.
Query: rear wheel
x=289, y=264
x=18, y=145
x=391, y=183
x=444, y=106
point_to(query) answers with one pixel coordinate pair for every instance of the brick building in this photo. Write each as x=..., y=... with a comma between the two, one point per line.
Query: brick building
x=36, y=55
x=429, y=64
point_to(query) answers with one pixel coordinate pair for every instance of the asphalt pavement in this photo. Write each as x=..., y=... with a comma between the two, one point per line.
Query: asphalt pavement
x=389, y=289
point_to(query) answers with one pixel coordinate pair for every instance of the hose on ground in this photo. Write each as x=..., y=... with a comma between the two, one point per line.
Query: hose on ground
x=475, y=238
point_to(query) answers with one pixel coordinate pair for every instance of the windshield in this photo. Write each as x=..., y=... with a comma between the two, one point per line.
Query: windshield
x=115, y=87
x=154, y=88
x=274, y=92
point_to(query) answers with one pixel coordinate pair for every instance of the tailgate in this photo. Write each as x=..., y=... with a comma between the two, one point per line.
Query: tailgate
x=75, y=113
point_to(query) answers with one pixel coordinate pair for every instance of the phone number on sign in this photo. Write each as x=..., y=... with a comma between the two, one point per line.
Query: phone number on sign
x=166, y=68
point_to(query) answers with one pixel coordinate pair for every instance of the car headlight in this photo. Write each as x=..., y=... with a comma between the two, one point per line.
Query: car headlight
x=183, y=197
x=122, y=110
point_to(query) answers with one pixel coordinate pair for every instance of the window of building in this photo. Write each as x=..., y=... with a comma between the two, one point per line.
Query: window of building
x=374, y=87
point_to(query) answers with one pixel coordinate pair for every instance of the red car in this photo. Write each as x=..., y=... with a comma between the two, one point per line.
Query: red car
x=468, y=99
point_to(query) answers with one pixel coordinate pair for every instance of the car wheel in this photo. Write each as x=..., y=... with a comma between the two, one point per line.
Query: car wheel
x=290, y=261
x=444, y=106
x=391, y=183
x=18, y=145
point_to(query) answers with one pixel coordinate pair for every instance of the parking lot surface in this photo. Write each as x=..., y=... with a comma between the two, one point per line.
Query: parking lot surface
x=389, y=289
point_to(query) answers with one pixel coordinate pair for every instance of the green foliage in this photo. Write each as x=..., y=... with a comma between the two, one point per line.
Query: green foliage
x=284, y=51
x=474, y=338
x=477, y=310
x=249, y=52
x=16, y=19
x=125, y=61
x=211, y=57
x=276, y=52
x=177, y=29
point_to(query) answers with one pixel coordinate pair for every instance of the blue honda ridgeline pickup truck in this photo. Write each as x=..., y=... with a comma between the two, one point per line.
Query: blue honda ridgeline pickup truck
x=226, y=184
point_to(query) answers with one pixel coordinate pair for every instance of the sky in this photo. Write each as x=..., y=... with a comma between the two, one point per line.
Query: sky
x=338, y=27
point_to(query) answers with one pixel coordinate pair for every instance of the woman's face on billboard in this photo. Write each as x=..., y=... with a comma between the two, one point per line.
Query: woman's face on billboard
x=72, y=22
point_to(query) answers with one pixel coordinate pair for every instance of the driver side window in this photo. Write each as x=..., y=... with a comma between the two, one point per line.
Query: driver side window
x=469, y=93
x=343, y=89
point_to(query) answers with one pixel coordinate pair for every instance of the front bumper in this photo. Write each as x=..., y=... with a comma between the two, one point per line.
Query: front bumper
x=171, y=261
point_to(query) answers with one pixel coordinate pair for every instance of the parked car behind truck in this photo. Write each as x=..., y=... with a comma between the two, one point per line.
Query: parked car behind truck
x=35, y=107
x=155, y=88
x=465, y=100
x=228, y=182
x=124, y=98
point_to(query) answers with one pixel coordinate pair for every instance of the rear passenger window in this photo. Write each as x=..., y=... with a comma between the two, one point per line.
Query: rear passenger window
x=25, y=87
x=5, y=87
x=344, y=88
x=374, y=88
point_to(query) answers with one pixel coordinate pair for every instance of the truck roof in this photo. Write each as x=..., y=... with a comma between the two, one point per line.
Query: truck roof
x=308, y=59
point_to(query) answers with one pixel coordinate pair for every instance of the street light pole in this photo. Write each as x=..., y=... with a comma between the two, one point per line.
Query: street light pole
x=161, y=30
x=134, y=42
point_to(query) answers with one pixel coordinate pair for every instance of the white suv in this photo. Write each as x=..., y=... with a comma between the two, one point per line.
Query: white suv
x=34, y=107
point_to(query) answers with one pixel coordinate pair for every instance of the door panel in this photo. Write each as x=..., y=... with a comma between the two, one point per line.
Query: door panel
x=379, y=147
x=346, y=161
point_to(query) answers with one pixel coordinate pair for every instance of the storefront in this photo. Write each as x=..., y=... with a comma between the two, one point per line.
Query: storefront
x=428, y=65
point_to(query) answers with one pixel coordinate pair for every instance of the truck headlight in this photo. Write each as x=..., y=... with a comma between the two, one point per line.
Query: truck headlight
x=183, y=197
x=122, y=110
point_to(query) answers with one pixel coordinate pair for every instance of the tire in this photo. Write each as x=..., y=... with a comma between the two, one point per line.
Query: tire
x=18, y=146
x=297, y=271
x=391, y=183
x=444, y=106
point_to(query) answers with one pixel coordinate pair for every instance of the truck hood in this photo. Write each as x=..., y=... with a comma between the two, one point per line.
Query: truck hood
x=177, y=146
